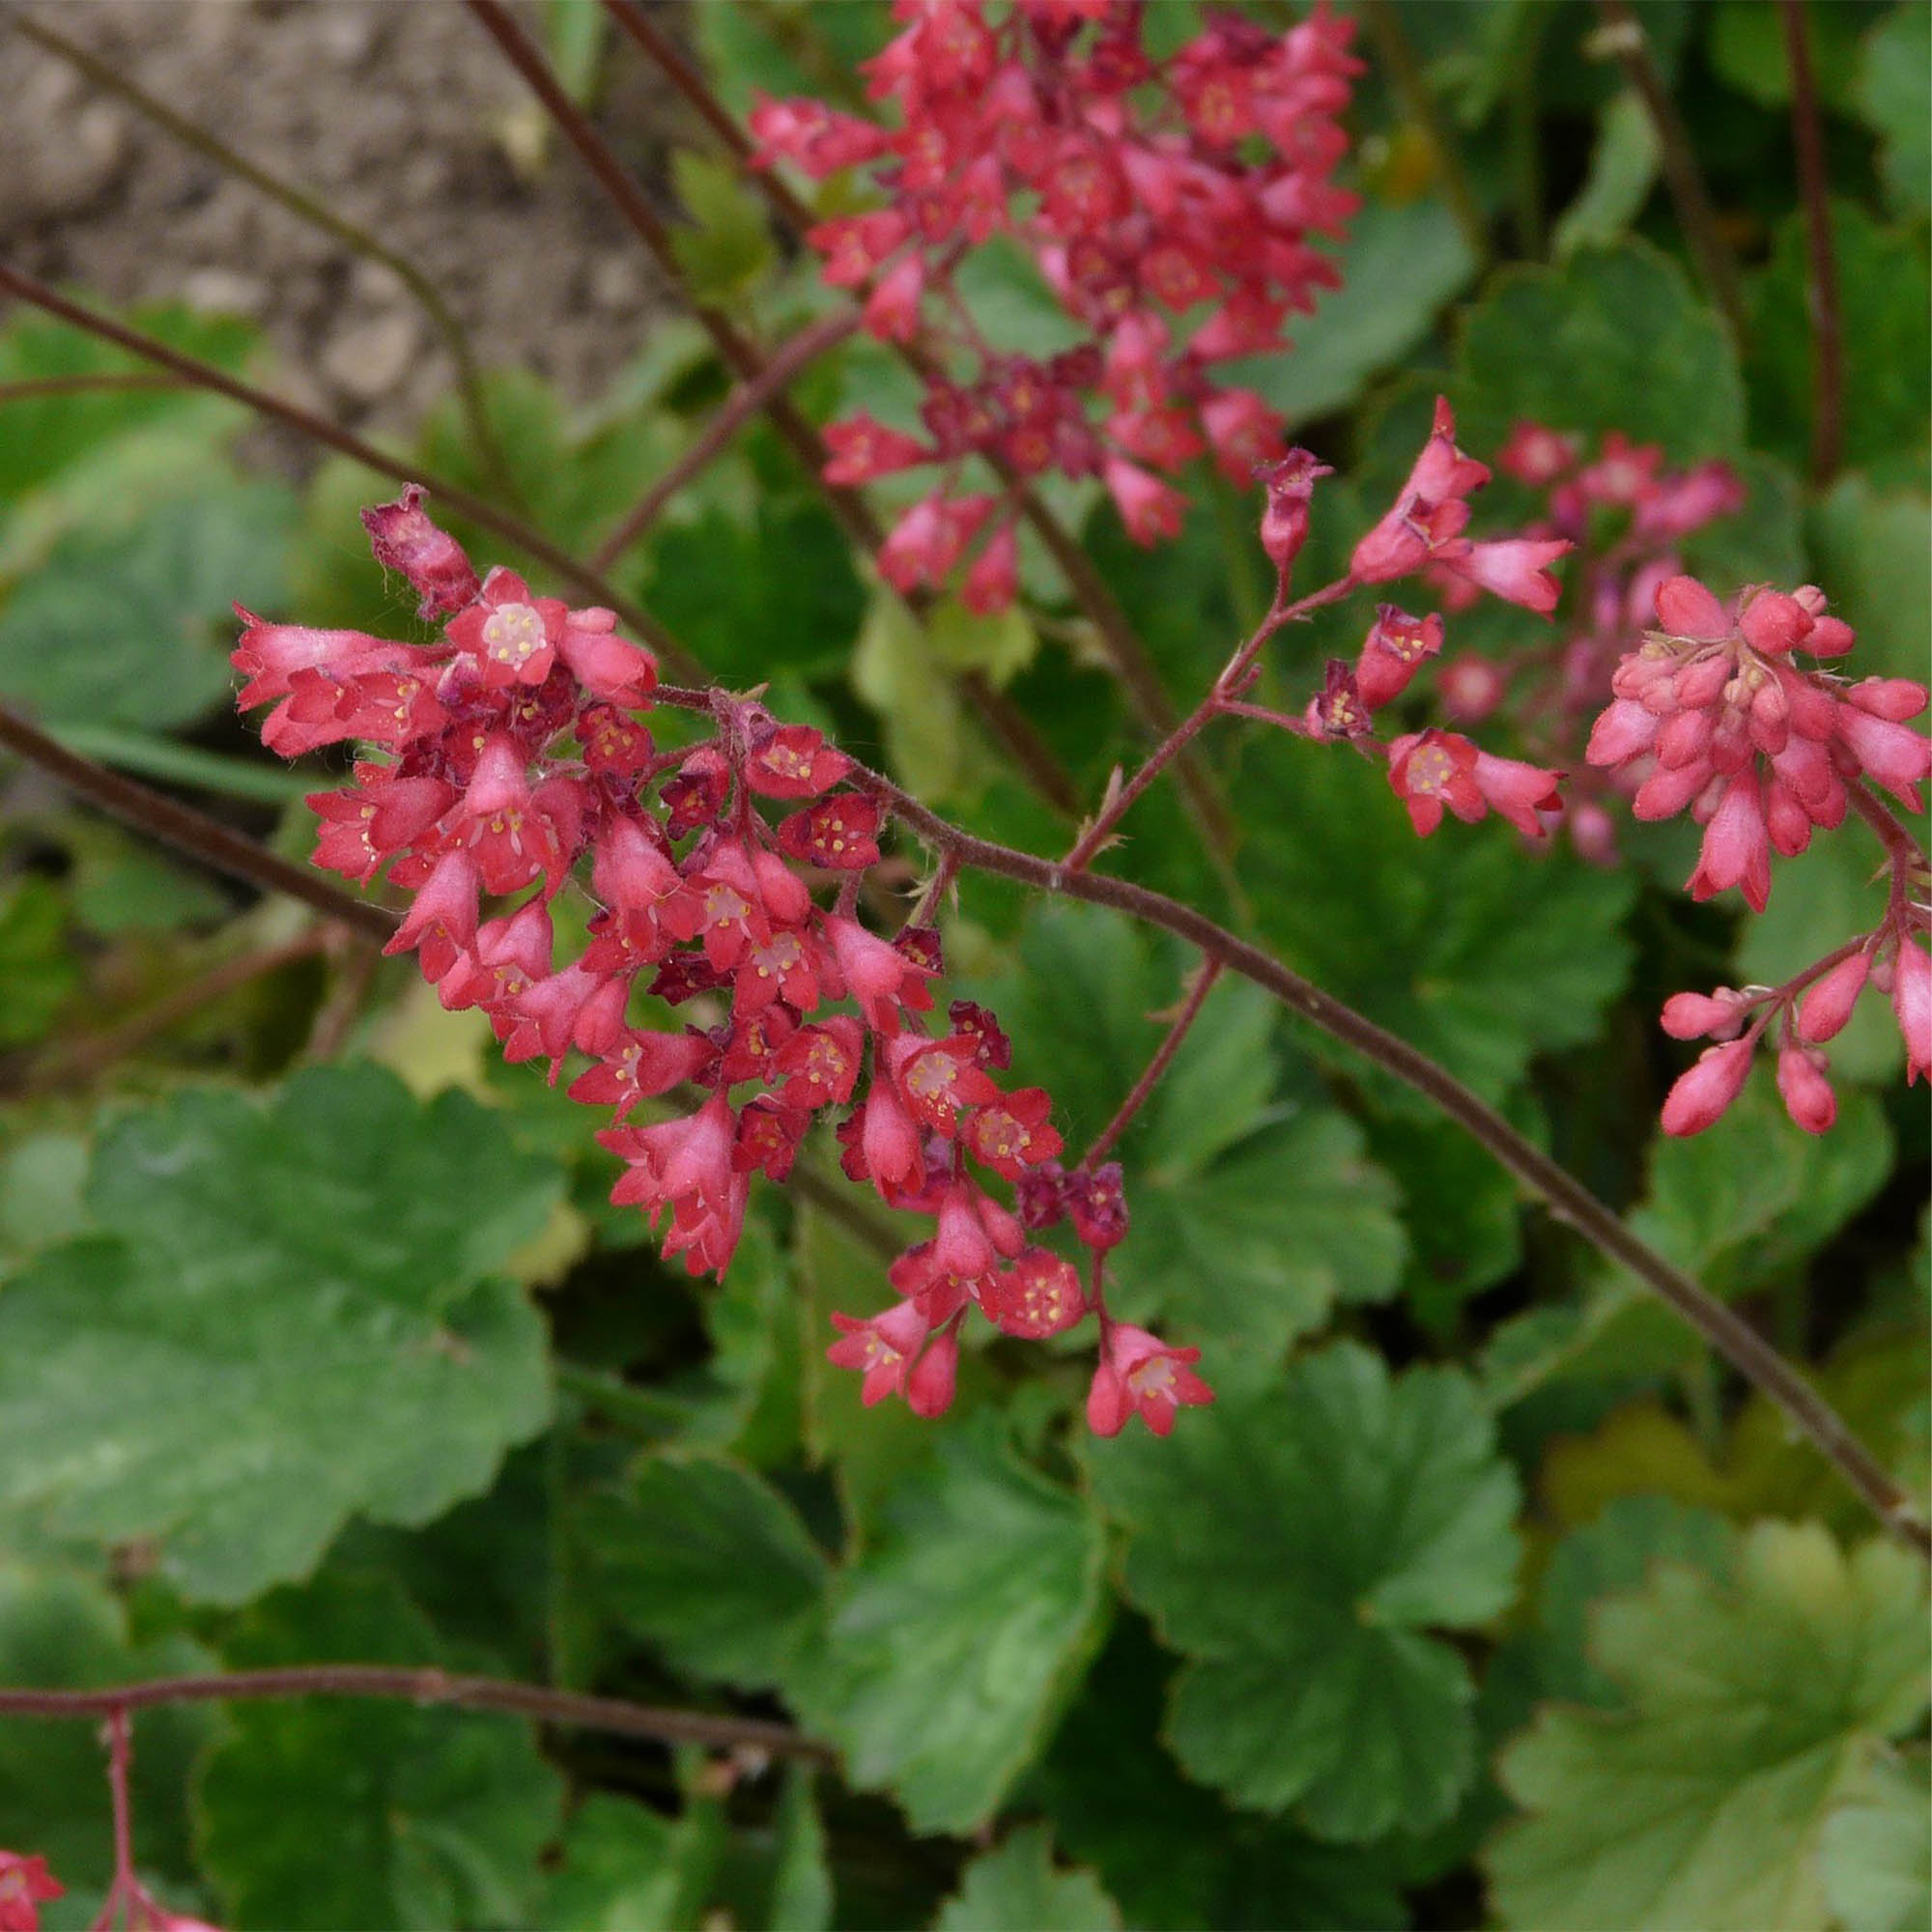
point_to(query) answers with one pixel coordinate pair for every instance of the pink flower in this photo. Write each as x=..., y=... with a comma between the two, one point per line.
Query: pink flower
x=1139, y=1374
x=880, y=1348
x=1737, y=845
x=404, y=539
x=1429, y=770
x=1291, y=485
x=1149, y=508
x=1393, y=652
x=25, y=1885
x=512, y=636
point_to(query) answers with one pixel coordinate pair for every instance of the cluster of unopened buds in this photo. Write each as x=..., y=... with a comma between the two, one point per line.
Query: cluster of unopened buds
x=1714, y=714
x=513, y=759
x=1167, y=205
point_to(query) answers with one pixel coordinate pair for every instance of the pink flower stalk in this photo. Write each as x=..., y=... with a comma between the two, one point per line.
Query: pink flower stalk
x=1168, y=203
x=1140, y=1375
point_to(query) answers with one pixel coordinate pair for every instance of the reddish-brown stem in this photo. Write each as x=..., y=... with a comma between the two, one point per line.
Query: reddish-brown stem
x=1234, y=707
x=189, y=831
x=1093, y=837
x=83, y=1059
x=1204, y=977
x=1624, y=36
x=120, y=1756
x=512, y=529
x=689, y=82
x=726, y=422
x=420, y=1686
x=1904, y=851
x=101, y=382
x=306, y=208
x=1566, y=1197
x=1821, y=287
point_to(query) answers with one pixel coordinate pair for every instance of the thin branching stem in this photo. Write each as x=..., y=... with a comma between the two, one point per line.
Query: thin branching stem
x=1821, y=282
x=744, y=402
x=189, y=832
x=1624, y=36
x=304, y=207
x=1202, y=984
x=423, y=1687
x=331, y=436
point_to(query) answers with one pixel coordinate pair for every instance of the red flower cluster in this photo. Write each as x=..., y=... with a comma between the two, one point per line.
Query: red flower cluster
x=514, y=755
x=1711, y=713
x=25, y=1886
x=1168, y=203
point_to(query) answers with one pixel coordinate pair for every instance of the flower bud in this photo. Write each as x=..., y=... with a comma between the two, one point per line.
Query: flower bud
x=1912, y=1003
x=1291, y=483
x=930, y=1385
x=1807, y=1095
x=1701, y=1095
x=1704, y=1015
x=1829, y=999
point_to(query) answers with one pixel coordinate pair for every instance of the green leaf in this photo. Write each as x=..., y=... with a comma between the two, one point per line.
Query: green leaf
x=282, y=1322
x=1894, y=95
x=729, y=248
x=1613, y=338
x=778, y=593
x=1749, y=1708
x=1612, y=1555
x=1471, y=950
x=1763, y=541
x=1172, y=1852
x=1876, y=1854
x=1298, y=1543
x=703, y=1559
x=1259, y=1248
x=35, y=965
x=1748, y=50
x=99, y=459
x=1885, y=331
x=619, y=1869
x=1875, y=560
x=802, y=1882
x=1755, y=1197
x=1463, y=1212
x=134, y=627
x=1001, y=645
x=894, y=671
x=323, y=1813
x=1016, y=1888
x=61, y=1631
x=574, y=33
x=1400, y=266
x=953, y=1642
x=1623, y=171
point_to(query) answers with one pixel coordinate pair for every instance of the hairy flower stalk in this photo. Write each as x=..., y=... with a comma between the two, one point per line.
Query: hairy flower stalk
x=507, y=763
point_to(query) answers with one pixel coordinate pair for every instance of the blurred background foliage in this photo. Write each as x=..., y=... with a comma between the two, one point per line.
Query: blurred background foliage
x=1483, y=1596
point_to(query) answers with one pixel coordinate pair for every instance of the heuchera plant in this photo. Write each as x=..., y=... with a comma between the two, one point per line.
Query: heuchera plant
x=516, y=762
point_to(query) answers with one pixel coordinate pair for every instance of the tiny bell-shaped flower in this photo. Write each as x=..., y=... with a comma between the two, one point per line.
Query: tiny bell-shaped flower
x=1140, y=1375
x=1912, y=1003
x=1291, y=483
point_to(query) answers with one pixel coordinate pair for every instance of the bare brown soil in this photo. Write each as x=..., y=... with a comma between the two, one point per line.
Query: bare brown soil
x=401, y=115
